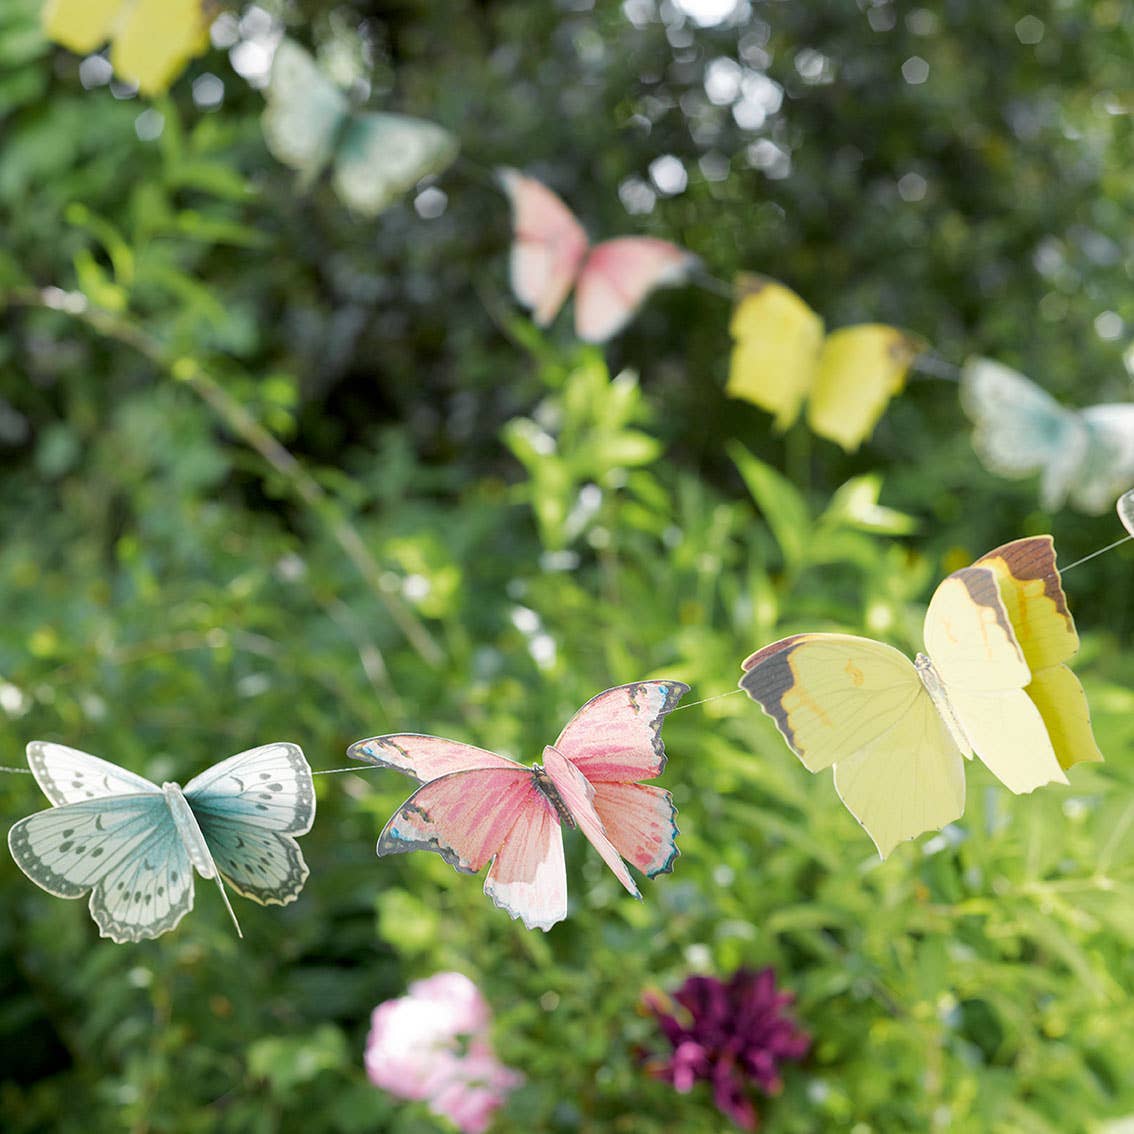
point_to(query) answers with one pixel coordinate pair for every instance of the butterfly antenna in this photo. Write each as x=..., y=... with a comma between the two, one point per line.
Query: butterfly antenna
x=22, y=771
x=228, y=906
x=1096, y=554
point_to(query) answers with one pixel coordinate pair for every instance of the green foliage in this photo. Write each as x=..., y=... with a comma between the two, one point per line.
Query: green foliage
x=274, y=473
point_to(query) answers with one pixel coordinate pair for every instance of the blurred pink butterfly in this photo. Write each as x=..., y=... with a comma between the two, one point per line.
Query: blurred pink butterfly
x=551, y=252
x=475, y=807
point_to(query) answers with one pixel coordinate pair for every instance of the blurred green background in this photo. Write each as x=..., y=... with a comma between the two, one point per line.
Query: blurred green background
x=482, y=526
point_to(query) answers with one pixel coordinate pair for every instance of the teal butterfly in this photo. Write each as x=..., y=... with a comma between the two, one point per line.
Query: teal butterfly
x=309, y=124
x=134, y=845
x=1084, y=457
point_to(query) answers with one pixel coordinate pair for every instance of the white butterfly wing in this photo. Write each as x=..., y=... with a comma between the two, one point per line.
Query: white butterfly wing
x=304, y=112
x=67, y=775
x=124, y=849
x=382, y=156
x=248, y=808
x=1108, y=467
x=1021, y=429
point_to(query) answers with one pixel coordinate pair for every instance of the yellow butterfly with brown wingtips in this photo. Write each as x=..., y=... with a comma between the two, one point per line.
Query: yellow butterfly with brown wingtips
x=781, y=356
x=992, y=682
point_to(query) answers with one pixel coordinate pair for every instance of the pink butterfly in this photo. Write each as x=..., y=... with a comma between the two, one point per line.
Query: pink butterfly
x=474, y=806
x=551, y=252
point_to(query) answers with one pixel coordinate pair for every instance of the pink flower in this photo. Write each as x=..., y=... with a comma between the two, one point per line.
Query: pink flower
x=433, y=1045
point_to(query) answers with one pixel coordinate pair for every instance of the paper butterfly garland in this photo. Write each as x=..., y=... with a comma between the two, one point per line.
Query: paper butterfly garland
x=551, y=252
x=134, y=845
x=781, y=356
x=1084, y=457
x=993, y=683
x=151, y=40
x=475, y=807
x=309, y=124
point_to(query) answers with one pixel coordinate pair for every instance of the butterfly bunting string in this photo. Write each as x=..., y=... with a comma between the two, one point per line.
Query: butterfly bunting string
x=781, y=356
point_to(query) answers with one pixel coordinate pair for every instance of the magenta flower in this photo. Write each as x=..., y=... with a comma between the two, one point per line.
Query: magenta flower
x=732, y=1034
x=433, y=1045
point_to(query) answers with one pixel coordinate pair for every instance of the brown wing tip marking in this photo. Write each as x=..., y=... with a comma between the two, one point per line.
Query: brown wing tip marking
x=769, y=677
x=391, y=841
x=984, y=590
x=1033, y=558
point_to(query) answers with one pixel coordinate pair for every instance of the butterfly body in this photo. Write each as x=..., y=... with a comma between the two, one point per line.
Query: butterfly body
x=476, y=808
x=134, y=846
x=991, y=682
x=551, y=254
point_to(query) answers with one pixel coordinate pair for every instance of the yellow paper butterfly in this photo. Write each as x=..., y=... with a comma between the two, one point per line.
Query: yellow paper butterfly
x=781, y=356
x=152, y=40
x=991, y=682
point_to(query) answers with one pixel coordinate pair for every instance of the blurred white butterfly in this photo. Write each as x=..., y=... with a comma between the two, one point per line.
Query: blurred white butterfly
x=134, y=845
x=1084, y=457
x=309, y=124
x=1125, y=508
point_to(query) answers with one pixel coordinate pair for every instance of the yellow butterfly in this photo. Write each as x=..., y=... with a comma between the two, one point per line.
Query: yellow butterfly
x=781, y=356
x=152, y=40
x=992, y=681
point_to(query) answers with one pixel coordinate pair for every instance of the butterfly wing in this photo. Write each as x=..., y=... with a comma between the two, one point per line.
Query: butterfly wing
x=970, y=640
x=617, y=276
x=124, y=849
x=860, y=369
x=382, y=156
x=578, y=797
x=859, y=705
x=1032, y=592
x=304, y=112
x=1125, y=508
x=426, y=758
x=776, y=343
x=472, y=816
x=67, y=775
x=156, y=38
x=528, y=878
x=1108, y=466
x=548, y=245
x=81, y=25
x=248, y=808
x=615, y=740
x=1021, y=430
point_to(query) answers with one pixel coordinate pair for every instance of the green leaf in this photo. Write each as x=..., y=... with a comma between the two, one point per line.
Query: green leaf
x=779, y=500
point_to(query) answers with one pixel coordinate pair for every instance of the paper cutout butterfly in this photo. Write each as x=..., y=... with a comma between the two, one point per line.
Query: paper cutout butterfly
x=992, y=681
x=781, y=356
x=134, y=845
x=1125, y=507
x=309, y=124
x=475, y=807
x=550, y=252
x=151, y=40
x=1084, y=457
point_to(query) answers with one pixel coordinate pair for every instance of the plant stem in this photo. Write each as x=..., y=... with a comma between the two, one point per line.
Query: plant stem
x=244, y=425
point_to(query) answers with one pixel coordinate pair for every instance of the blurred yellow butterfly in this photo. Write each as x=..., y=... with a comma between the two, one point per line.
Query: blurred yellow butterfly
x=781, y=355
x=992, y=681
x=152, y=40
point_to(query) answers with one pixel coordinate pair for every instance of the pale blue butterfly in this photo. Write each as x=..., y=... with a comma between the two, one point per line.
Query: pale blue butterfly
x=1084, y=457
x=310, y=123
x=134, y=845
